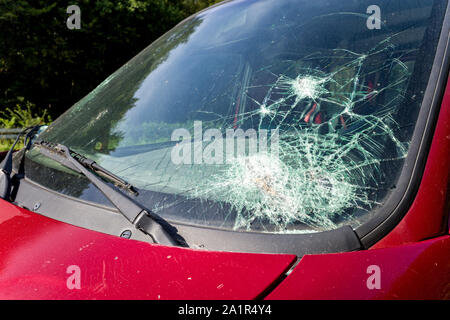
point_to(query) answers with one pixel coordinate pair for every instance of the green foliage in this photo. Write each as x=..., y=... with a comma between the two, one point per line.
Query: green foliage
x=54, y=67
x=5, y=145
x=21, y=116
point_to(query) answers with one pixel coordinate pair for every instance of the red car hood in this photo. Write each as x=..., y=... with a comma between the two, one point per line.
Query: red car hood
x=36, y=251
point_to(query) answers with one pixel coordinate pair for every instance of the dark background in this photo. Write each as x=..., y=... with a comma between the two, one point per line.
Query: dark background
x=45, y=67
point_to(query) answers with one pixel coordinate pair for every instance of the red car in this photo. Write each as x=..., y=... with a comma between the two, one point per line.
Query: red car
x=272, y=149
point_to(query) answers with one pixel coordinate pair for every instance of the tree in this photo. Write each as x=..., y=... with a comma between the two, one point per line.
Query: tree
x=53, y=67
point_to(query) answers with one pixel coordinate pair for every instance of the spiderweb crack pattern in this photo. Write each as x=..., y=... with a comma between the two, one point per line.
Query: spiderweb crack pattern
x=323, y=167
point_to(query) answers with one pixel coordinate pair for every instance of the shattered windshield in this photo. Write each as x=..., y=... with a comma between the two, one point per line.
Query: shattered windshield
x=273, y=116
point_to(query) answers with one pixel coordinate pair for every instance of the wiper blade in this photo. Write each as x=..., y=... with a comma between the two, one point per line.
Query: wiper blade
x=91, y=164
x=145, y=220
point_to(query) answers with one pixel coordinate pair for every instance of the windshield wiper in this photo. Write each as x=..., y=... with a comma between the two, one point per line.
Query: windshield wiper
x=145, y=220
x=6, y=169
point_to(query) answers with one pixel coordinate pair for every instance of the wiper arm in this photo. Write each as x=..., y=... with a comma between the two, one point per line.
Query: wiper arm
x=150, y=223
x=6, y=169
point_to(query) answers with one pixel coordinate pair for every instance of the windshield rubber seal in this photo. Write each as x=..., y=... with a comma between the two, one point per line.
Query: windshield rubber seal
x=395, y=208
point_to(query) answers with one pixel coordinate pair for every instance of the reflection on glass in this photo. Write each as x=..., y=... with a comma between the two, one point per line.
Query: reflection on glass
x=343, y=100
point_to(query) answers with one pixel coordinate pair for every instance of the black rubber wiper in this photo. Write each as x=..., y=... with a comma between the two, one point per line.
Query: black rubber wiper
x=6, y=168
x=145, y=220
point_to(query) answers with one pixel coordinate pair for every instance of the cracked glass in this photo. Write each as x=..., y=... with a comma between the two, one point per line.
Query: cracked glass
x=323, y=106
